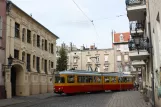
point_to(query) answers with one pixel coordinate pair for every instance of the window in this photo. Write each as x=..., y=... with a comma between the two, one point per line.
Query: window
x=23, y=56
x=70, y=79
x=75, y=60
x=34, y=61
x=34, y=40
x=97, y=79
x=49, y=65
x=16, y=54
x=107, y=79
x=1, y=26
x=46, y=45
x=23, y=34
x=45, y=66
x=106, y=58
x=52, y=64
x=59, y=79
x=97, y=59
x=121, y=38
x=17, y=30
x=38, y=64
x=88, y=59
x=28, y=36
x=38, y=41
x=52, y=51
x=113, y=79
x=42, y=64
x=126, y=58
x=42, y=44
x=118, y=58
x=49, y=48
x=28, y=62
x=120, y=79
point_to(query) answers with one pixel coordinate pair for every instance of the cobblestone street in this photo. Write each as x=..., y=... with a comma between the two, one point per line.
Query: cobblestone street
x=81, y=100
x=104, y=99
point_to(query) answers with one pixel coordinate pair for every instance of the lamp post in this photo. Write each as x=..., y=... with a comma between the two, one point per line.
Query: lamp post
x=10, y=60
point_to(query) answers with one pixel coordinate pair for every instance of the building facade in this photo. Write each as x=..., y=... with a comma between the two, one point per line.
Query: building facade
x=121, y=51
x=2, y=45
x=33, y=47
x=145, y=45
x=101, y=60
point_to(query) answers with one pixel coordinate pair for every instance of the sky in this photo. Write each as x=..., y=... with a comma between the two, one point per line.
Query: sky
x=64, y=19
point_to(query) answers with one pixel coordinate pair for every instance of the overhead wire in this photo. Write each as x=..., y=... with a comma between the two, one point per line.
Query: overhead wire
x=86, y=17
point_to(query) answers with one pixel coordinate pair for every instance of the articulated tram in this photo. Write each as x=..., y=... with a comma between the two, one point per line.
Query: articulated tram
x=70, y=82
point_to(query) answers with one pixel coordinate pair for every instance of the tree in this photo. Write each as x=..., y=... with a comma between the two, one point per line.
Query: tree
x=62, y=60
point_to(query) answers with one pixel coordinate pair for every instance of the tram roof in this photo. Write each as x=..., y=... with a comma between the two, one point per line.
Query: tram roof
x=84, y=72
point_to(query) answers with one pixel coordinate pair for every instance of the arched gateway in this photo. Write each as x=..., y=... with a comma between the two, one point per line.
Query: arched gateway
x=17, y=80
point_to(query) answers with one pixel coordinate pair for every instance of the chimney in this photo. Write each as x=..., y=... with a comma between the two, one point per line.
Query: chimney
x=71, y=46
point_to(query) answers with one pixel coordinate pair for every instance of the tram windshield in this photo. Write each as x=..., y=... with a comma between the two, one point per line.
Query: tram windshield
x=59, y=79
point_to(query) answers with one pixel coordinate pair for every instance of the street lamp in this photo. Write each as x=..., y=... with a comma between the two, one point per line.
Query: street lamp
x=10, y=60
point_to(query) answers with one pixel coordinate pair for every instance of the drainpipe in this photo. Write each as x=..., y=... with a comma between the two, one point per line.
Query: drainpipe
x=151, y=55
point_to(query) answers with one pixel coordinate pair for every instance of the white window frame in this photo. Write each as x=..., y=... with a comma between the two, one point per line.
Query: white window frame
x=119, y=58
x=88, y=59
x=1, y=26
x=106, y=58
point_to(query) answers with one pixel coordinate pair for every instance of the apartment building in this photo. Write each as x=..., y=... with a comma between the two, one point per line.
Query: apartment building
x=121, y=51
x=145, y=45
x=91, y=59
x=33, y=49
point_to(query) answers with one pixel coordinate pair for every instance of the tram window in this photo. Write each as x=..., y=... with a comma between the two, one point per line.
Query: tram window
x=113, y=79
x=79, y=79
x=90, y=79
x=125, y=79
x=107, y=79
x=98, y=79
x=70, y=79
x=119, y=79
x=130, y=79
x=59, y=80
x=95, y=79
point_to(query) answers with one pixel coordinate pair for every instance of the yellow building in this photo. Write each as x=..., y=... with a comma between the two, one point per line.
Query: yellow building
x=33, y=48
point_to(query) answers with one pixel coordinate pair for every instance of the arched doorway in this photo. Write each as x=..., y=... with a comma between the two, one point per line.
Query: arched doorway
x=16, y=79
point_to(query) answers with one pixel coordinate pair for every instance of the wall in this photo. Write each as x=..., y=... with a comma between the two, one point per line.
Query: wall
x=155, y=11
x=82, y=62
x=2, y=46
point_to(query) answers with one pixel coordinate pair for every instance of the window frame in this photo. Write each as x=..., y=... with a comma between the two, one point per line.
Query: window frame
x=71, y=81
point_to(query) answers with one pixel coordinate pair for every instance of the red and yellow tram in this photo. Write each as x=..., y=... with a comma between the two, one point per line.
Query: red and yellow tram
x=70, y=82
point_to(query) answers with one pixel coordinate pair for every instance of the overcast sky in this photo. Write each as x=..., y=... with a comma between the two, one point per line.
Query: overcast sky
x=64, y=19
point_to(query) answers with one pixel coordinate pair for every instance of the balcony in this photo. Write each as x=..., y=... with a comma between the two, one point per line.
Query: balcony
x=139, y=49
x=136, y=9
x=136, y=28
x=138, y=63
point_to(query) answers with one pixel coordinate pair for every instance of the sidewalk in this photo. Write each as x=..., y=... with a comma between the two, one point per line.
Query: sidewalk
x=18, y=100
x=127, y=99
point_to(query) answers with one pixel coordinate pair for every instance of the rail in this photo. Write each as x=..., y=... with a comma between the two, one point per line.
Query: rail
x=143, y=44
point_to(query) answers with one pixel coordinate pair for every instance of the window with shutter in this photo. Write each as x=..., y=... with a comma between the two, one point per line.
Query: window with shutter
x=1, y=26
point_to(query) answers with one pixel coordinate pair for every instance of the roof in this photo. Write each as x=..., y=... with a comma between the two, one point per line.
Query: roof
x=83, y=72
x=116, y=37
x=34, y=19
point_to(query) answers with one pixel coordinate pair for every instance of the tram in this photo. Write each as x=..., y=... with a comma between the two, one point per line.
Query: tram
x=70, y=82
